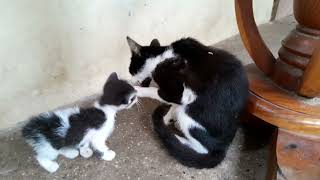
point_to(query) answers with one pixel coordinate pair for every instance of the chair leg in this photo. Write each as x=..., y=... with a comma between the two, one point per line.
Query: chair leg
x=272, y=160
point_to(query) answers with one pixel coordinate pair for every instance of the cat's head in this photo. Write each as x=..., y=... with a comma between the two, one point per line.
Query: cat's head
x=118, y=93
x=144, y=59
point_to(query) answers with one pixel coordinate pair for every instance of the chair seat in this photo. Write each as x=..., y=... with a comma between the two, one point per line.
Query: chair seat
x=280, y=107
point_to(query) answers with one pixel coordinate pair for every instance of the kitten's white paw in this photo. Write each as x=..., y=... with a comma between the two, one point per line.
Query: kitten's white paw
x=52, y=167
x=70, y=153
x=108, y=155
x=86, y=152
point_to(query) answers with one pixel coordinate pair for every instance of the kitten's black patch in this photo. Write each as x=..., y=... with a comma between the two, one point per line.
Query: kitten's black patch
x=44, y=126
x=116, y=92
x=48, y=126
x=112, y=77
x=90, y=118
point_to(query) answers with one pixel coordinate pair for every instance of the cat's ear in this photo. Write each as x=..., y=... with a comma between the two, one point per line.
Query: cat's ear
x=134, y=47
x=155, y=43
x=113, y=77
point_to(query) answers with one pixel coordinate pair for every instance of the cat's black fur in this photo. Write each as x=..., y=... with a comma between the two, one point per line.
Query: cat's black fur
x=169, y=77
x=220, y=83
x=185, y=154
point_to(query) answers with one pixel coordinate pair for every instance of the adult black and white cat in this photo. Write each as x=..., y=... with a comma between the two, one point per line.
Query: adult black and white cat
x=68, y=130
x=207, y=89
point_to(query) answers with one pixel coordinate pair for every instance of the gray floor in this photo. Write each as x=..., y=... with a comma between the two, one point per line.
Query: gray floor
x=139, y=153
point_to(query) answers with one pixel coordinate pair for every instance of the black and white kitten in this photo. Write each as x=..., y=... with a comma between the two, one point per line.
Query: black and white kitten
x=68, y=131
x=207, y=89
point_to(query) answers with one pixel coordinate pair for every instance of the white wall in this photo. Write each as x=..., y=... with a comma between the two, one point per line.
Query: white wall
x=56, y=51
x=285, y=8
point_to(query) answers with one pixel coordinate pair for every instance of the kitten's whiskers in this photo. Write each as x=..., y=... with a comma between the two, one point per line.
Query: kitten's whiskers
x=139, y=106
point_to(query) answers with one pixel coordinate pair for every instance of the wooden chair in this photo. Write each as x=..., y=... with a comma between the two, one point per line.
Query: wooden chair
x=284, y=91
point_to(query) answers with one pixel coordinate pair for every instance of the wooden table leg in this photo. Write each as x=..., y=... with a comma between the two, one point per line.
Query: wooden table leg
x=298, y=155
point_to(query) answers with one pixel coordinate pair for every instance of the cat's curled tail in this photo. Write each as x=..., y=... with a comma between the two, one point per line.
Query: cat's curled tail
x=183, y=153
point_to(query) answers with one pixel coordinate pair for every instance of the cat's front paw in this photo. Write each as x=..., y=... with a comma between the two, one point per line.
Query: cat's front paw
x=108, y=155
x=140, y=90
x=86, y=152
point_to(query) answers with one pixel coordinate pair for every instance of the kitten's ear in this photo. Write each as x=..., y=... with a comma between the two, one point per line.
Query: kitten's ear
x=155, y=43
x=112, y=77
x=134, y=47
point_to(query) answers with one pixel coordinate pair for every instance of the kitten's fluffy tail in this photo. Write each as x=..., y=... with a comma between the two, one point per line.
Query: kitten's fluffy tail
x=181, y=152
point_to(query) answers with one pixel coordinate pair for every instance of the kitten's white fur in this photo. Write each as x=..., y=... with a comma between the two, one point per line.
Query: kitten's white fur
x=151, y=64
x=46, y=154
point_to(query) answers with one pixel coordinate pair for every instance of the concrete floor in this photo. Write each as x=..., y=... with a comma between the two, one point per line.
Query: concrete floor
x=139, y=153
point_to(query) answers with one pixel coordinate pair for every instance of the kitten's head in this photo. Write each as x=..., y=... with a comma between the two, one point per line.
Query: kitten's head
x=118, y=93
x=142, y=57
